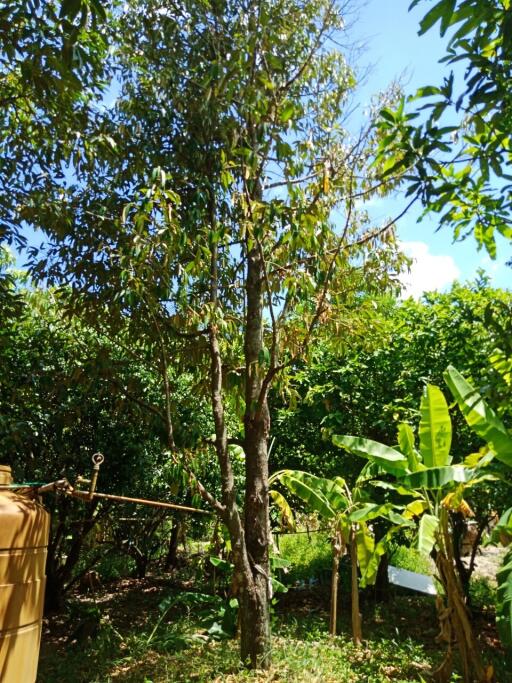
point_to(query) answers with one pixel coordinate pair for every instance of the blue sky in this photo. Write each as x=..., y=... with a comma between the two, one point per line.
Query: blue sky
x=392, y=49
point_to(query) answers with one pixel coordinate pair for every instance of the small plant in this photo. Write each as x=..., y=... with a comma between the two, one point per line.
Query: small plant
x=405, y=557
x=309, y=556
x=483, y=595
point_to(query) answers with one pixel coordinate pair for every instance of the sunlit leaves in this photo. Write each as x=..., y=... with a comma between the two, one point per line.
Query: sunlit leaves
x=435, y=430
x=461, y=171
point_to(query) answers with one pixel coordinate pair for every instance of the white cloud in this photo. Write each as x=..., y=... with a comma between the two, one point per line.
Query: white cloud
x=491, y=267
x=428, y=271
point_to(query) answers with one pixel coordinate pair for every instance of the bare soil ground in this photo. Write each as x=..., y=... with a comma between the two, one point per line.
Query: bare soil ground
x=488, y=561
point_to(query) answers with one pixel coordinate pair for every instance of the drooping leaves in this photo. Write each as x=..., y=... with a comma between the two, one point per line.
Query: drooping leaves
x=427, y=531
x=321, y=495
x=480, y=417
x=287, y=518
x=389, y=459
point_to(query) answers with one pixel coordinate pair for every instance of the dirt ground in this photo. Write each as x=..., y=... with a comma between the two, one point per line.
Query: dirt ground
x=488, y=561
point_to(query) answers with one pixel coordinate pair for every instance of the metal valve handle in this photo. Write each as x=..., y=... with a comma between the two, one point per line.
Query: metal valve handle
x=97, y=460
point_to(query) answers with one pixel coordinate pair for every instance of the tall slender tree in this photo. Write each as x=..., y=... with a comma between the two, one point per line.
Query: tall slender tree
x=225, y=223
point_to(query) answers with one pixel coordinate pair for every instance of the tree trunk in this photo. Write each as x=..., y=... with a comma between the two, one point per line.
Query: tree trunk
x=454, y=617
x=382, y=582
x=255, y=605
x=249, y=539
x=337, y=547
x=357, y=634
x=60, y=566
x=172, y=553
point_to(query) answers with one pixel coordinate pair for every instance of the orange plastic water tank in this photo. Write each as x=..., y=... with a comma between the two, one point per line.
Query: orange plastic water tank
x=24, y=529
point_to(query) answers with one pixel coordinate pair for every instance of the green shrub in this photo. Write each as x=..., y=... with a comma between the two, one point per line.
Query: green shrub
x=405, y=557
x=310, y=556
x=114, y=567
x=482, y=594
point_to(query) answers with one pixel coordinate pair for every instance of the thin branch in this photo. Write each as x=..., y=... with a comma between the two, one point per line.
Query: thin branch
x=376, y=233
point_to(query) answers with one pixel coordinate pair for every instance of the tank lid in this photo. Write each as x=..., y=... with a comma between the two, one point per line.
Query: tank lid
x=5, y=475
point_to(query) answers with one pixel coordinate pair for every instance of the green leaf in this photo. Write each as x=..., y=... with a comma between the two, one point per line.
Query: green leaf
x=365, y=544
x=435, y=428
x=439, y=477
x=502, y=532
x=427, y=91
x=287, y=111
x=427, y=533
x=369, y=511
x=277, y=562
x=504, y=601
x=438, y=12
x=387, y=458
x=221, y=564
x=264, y=356
x=406, y=443
x=278, y=586
x=479, y=416
x=287, y=518
x=369, y=575
x=309, y=489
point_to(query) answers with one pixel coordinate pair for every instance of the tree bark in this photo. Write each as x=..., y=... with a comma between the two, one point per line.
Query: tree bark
x=357, y=634
x=172, y=554
x=255, y=605
x=454, y=617
x=250, y=538
x=337, y=548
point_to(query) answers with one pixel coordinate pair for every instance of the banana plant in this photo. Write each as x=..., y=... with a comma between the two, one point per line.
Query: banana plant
x=482, y=419
x=349, y=513
x=426, y=472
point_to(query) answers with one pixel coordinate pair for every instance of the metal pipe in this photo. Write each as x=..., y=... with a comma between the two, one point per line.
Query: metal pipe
x=97, y=460
x=54, y=486
x=85, y=495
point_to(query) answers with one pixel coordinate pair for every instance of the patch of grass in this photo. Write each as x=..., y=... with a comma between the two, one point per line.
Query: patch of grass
x=408, y=558
x=483, y=594
x=398, y=647
x=310, y=557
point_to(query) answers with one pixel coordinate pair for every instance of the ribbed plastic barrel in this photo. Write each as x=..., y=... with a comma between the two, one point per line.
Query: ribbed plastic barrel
x=24, y=528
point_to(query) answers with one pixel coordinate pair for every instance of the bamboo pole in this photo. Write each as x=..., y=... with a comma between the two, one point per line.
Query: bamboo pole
x=85, y=495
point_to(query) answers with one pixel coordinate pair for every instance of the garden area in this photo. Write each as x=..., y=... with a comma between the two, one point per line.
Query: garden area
x=262, y=455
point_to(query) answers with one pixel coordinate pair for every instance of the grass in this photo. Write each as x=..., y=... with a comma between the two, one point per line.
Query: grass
x=310, y=556
x=405, y=557
x=151, y=632
x=398, y=646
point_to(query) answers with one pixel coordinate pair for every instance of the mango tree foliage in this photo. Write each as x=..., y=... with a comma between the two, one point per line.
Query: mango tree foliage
x=225, y=225
x=370, y=385
x=51, y=72
x=455, y=138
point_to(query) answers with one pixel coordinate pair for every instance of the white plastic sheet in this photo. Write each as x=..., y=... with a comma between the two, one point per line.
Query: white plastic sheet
x=416, y=582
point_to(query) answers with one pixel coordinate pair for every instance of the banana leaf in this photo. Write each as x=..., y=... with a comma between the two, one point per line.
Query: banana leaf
x=479, y=416
x=406, y=443
x=389, y=459
x=428, y=527
x=287, y=518
x=435, y=429
x=504, y=601
x=439, y=477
